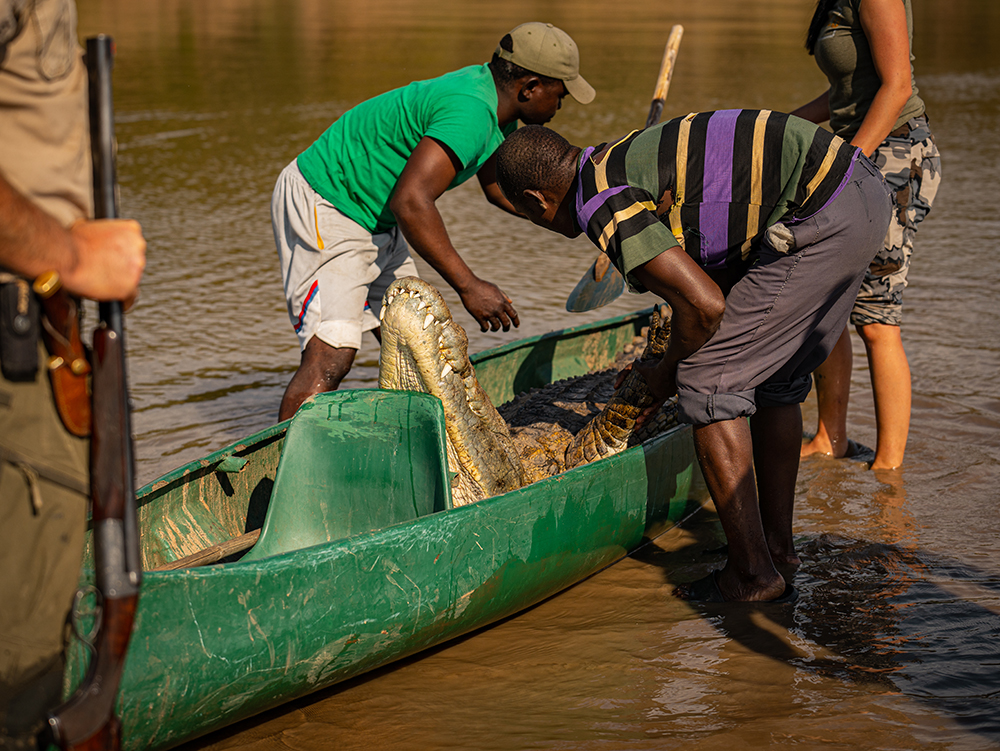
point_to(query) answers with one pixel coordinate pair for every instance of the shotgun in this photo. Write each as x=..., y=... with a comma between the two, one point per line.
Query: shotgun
x=87, y=720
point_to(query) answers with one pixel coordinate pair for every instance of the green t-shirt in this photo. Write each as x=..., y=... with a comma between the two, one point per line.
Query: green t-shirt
x=356, y=163
x=844, y=56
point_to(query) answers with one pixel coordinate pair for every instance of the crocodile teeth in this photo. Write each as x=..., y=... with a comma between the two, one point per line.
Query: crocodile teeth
x=428, y=320
x=381, y=313
x=446, y=369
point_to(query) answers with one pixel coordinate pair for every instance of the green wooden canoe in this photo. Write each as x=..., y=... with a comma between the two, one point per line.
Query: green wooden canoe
x=360, y=559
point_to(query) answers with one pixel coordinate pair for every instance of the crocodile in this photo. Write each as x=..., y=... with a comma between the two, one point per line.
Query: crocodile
x=539, y=433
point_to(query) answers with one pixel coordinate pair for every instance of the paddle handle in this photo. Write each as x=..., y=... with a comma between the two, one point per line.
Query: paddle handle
x=602, y=283
x=666, y=74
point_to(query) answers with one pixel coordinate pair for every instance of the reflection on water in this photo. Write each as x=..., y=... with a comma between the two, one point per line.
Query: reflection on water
x=894, y=642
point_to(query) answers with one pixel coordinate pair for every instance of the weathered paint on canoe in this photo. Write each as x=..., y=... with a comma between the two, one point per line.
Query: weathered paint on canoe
x=507, y=370
x=217, y=644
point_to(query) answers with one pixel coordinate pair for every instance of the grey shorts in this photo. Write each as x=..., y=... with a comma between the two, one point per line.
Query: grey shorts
x=910, y=162
x=784, y=316
x=334, y=270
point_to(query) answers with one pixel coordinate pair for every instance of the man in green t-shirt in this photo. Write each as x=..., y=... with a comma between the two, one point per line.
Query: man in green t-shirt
x=345, y=211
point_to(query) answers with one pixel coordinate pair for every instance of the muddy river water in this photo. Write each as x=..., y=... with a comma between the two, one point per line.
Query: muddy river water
x=895, y=641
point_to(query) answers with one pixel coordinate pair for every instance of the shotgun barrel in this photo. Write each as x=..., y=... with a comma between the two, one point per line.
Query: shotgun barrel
x=87, y=720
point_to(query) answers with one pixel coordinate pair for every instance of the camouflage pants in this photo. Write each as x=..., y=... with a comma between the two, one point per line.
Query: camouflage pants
x=911, y=165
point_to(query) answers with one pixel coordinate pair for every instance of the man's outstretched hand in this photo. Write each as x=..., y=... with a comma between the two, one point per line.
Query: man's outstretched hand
x=491, y=308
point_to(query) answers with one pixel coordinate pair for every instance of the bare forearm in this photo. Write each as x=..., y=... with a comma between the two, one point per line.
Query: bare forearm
x=687, y=336
x=32, y=241
x=428, y=173
x=689, y=331
x=697, y=307
x=101, y=260
x=816, y=111
x=881, y=117
x=424, y=230
x=884, y=24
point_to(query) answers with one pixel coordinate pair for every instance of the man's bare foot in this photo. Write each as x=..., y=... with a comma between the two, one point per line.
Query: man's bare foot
x=815, y=446
x=841, y=449
x=821, y=444
x=786, y=565
x=716, y=587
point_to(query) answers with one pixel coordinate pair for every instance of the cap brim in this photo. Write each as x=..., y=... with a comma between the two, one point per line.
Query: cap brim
x=580, y=90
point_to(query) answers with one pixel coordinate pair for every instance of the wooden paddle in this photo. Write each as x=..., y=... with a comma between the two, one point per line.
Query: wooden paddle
x=602, y=283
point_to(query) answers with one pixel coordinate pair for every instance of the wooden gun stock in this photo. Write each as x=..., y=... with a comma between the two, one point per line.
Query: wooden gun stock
x=87, y=720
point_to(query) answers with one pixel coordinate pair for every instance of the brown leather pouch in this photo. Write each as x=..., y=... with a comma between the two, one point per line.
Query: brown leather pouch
x=68, y=363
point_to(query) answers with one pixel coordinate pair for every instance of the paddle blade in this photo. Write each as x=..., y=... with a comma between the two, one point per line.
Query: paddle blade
x=591, y=293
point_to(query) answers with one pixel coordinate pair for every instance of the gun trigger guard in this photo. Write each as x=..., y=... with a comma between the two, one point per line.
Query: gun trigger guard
x=77, y=611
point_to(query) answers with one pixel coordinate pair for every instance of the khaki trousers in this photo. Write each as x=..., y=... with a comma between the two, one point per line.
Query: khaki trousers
x=42, y=525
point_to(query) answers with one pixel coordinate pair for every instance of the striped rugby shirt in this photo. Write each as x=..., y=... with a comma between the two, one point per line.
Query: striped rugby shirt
x=711, y=182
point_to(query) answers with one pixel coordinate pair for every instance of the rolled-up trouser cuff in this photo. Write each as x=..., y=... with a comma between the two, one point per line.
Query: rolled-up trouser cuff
x=702, y=409
x=885, y=313
x=782, y=393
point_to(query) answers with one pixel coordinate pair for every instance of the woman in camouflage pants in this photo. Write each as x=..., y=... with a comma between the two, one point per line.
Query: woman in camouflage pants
x=863, y=47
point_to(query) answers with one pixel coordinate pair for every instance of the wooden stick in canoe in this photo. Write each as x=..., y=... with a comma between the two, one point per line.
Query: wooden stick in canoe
x=213, y=553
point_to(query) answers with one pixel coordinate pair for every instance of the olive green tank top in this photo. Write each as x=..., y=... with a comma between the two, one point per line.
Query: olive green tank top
x=844, y=56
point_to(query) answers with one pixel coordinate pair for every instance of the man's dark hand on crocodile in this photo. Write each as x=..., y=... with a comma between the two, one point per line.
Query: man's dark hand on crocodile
x=757, y=227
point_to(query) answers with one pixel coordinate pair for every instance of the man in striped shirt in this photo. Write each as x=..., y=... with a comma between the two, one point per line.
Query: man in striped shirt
x=756, y=227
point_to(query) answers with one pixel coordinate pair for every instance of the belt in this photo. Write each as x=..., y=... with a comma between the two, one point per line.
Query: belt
x=910, y=125
x=902, y=131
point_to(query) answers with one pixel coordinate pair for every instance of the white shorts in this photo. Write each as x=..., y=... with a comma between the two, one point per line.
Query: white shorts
x=334, y=271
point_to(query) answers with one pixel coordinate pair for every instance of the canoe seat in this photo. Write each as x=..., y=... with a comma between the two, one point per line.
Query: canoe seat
x=354, y=461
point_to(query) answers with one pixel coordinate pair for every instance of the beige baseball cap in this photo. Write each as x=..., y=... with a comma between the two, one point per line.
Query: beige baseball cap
x=549, y=51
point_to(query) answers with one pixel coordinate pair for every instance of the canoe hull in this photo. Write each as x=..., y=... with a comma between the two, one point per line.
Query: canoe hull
x=215, y=645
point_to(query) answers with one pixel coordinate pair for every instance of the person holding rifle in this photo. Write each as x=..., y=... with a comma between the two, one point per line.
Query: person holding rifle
x=45, y=202
x=345, y=210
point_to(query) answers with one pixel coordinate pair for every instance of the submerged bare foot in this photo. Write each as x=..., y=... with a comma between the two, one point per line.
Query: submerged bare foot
x=716, y=587
x=786, y=565
x=815, y=446
x=822, y=444
x=884, y=464
x=839, y=449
